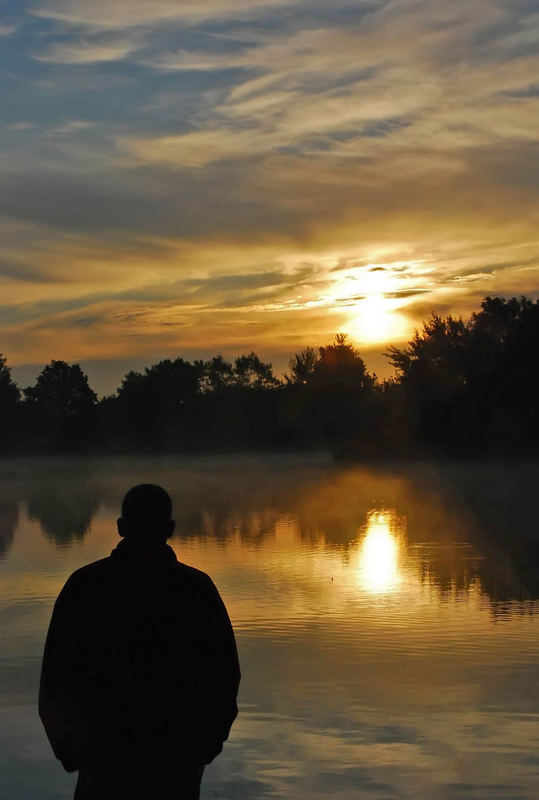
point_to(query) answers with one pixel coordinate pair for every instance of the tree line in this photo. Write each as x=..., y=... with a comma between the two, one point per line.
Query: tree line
x=459, y=388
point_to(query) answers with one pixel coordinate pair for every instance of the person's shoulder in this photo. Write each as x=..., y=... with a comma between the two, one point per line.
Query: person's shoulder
x=88, y=572
x=192, y=573
x=195, y=577
x=81, y=584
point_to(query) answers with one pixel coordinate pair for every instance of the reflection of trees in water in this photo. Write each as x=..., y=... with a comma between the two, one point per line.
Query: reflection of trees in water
x=335, y=509
x=64, y=510
x=501, y=501
x=331, y=526
x=466, y=526
x=257, y=526
x=218, y=503
x=209, y=512
x=9, y=518
x=452, y=569
x=238, y=499
x=469, y=527
x=440, y=541
x=496, y=512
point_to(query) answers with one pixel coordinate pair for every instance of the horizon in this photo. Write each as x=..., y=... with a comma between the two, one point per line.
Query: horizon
x=105, y=377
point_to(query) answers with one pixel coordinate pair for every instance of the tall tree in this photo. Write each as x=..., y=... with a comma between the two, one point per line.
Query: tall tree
x=432, y=383
x=217, y=374
x=474, y=385
x=9, y=391
x=62, y=388
x=9, y=402
x=303, y=366
x=504, y=365
x=436, y=355
x=153, y=402
x=341, y=368
x=250, y=372
x=62, y=401
x=341, y=393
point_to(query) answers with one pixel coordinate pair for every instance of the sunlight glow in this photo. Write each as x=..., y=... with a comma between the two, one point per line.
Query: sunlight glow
x=375, y=321
x=375, y=294
x=379, y=555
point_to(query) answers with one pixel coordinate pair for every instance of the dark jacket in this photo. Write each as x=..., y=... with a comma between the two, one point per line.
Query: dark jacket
x=140, y=660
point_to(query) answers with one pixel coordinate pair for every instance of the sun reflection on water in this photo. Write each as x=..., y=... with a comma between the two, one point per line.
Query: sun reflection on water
x=378, y=568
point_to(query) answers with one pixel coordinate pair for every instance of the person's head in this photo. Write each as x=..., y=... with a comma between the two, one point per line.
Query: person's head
x=146, y=514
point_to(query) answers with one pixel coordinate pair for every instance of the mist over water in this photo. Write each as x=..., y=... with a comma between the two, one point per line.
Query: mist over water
x=385, y=617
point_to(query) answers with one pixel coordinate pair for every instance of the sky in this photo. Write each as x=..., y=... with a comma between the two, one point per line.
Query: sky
x=188, y=178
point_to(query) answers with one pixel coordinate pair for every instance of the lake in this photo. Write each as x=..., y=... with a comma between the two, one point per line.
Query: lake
x=386, y=617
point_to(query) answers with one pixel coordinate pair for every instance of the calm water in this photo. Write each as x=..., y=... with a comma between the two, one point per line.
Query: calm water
x=386, y=619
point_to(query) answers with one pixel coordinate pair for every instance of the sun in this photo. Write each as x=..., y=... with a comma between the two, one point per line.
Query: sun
x=376, y=322
x=379, y=566
x=375, y=295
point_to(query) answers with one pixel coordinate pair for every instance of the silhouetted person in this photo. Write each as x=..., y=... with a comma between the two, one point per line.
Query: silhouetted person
x=140, y=671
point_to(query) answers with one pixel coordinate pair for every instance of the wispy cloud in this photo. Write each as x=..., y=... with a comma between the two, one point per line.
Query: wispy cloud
x=133, y=13
x=89, y=51
x=359, y=93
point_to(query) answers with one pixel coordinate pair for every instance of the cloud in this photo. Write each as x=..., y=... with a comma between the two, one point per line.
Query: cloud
x=16, y=269
x=246, y=175
x=7, y=30
x=369, y=96
x=89, y=51
x=406, y=293
x=79, y=204
x=133, y=13
x=73, y=126
x=197, y=60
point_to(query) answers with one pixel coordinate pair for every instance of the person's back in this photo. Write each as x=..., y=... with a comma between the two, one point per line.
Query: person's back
x=140, y=671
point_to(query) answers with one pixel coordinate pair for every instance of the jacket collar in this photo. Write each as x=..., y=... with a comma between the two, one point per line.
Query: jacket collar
x=132, y=551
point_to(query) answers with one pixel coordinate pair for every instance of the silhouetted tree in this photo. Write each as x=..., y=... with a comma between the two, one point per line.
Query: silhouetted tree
x=9, y=402
x=62, y=402
x=472, y=386
x=459, y=387
x=435, y=355
x=218, y=374
x=340, y=367
x=330, y=396
x=433, y=371
x=504, y=371
x=153, y=403
x=303, y=366
x=328, y=399
x=250, y=372
x=62, y=388
x=9, y=392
